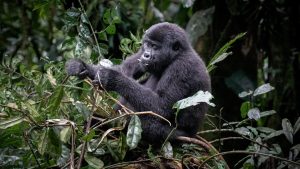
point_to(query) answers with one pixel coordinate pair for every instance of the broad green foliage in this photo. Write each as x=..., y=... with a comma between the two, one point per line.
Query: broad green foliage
x=134, y=132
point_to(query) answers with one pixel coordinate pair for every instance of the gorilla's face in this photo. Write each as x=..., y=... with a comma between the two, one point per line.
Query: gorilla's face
x=162, y=43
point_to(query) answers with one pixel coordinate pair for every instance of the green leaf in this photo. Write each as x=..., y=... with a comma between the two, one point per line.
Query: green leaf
x=265, y=88
x=168, y=150
x=64, y=156
x=221, y=57
x=297, y=126
x=106, y=17
x=102, y=36
x=43, y=142
x=244, y=131
x=89, y=136
x=134, y=133
x=245, y=107
x=73, y=12
x=84, y=31
x=11, y=122
x=224, y=48
x=65, y=134
x=187, y=3
x=265, y=129
x=84, y=18
x=111, y=29
x=79, y=49
x=194, y=100
x=31, y=108
x=83, y=109
x=55, y=99
x=287, y=130
x=93, y=161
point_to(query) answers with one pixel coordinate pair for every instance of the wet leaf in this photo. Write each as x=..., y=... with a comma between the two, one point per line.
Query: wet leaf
x=287, y=130
x=265, y=88
x=134, y=133
x=194, y=100
x=168, y=150
x=297, y=126
x=244, y=93
x=254, y=113
x=93, y=161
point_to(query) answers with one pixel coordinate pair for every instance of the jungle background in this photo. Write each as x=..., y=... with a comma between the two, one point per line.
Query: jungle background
x=252, y=49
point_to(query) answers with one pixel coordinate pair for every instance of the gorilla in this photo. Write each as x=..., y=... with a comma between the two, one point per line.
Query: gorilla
x=175, y=71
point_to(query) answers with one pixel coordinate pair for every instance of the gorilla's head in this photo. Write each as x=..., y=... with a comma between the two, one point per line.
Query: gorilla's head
x=162, y=44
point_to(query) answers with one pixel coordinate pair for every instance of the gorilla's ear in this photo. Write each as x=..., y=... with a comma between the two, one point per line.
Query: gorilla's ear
x=176, y=46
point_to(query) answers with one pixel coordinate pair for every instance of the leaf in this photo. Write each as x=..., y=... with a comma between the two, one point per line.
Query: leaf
x=32, y=110
x=64, y=156
x=224, y=48
x=274, y=134
x=297, y=126
x=106, y=17
x=187, y=3
x=43, y=142
x=55, y=99
x=287, y=130
x=84, y=31
x=267, y=113
x=244, y=93
x=243, y=131
x=134, y=133
x=168, y=150
x=93, y=161
x=254, y=113
x=221, y=57
x=82, y=109
x=106, y=63
x=199, y=24
x=194, y=100
x=89, y=136
x=65, y=134
x=245, y=107
x=79, y=49
x=11, y=122
x=111, y=29
x=102, y=36
x=265, y=129
x=265, y=88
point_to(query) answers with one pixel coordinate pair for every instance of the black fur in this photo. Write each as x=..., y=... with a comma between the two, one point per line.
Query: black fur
x=176, y=72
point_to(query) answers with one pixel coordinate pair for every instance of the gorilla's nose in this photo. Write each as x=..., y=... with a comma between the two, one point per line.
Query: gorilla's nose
x=146, y=56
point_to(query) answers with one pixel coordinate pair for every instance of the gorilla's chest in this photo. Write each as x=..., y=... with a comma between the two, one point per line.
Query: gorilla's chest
x=151, y=82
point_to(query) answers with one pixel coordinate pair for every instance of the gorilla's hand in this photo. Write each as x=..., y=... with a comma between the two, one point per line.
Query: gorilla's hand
x=76, y=67
x=106, y=78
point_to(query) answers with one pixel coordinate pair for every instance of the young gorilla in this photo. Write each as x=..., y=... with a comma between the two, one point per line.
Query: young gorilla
x=176, y=72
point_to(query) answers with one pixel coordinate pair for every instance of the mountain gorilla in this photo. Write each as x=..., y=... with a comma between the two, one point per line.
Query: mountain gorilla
x=176, y=72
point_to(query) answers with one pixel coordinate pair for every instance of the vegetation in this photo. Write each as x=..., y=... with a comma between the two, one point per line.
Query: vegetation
x=47, y=119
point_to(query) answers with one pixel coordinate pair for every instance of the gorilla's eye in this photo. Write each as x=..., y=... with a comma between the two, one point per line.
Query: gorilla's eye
x=153, y=46
x=176, y=46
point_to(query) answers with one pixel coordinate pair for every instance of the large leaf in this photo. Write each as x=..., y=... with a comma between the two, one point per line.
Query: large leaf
x=254, y=113
x=43, y=142
x=82, y=109
x=265, y=88
x=199, y=97
x=65, y=134
x=199, y=23
x=134, y=133
x=55, y=99
x=245, y=107
x=11, y=122
x=273, y=134
x=93, y=161
x=287, y=130
x=297, y=126
x=168, y=150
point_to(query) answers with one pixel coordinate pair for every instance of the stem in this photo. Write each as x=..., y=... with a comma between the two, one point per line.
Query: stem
x=247, y=152
x=93, y=32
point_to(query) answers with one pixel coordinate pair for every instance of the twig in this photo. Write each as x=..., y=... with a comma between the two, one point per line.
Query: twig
x=247, y=152
x=92, y=29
